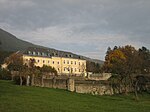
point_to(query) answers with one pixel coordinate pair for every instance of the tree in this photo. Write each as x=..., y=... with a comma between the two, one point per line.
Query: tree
x=93, y=67
x=45, y=70
x=15, y=63
x=33, y=70
x=48, y=69
x=114, y=63
x=125, y=62
x=3, y=55
x=132, y=66
x=144, y=54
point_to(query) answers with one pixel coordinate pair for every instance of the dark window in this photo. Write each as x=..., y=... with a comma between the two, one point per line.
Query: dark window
x=75, y=69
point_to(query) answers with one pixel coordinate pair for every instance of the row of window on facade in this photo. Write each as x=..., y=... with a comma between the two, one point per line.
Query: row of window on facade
x=70, y=70
x=39, y=53
x=53, y=62
x=47, y=54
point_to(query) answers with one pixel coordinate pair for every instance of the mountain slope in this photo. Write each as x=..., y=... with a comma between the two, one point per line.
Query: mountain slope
x=9, y=42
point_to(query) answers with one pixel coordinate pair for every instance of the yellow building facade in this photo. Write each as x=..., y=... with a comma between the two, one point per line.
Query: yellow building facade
x=63, y=64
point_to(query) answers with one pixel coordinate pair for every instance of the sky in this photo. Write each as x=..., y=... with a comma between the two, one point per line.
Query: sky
x=85, y=27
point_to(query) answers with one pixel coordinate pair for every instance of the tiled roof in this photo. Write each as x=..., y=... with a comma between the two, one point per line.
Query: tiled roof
x=45, y=52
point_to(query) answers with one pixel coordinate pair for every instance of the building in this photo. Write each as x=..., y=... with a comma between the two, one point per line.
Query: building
x=64, y=62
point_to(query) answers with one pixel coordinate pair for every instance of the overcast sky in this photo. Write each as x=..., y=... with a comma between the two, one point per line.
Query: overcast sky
x=85, y=27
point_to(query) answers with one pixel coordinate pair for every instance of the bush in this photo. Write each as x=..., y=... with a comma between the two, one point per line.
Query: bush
x=16, y=79
x=5, y=74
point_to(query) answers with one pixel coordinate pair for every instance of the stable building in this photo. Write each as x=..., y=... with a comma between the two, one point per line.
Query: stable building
x=65, y=63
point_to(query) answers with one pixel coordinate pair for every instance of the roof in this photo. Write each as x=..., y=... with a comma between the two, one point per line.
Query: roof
x=46, y=52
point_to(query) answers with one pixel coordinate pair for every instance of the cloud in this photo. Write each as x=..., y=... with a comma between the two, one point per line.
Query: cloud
x=85, y=27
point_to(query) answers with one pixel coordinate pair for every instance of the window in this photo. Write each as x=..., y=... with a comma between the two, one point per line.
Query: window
x=43, y=61
x=29, y=52
x=64, y=69
x=79, y=63
x=71, y=62
x=75, y=69
x=26, y=59
x=43, y=54
x=53, y=62
x=58, y=69
x=39, y=53
x=38, y=61
x=48, y=61
x=58, y=62
x=64, y=61
x=67, y=62
x=79, y=70
x=53, y=54
x=49, y=55
x=75, y=62
x=34, y=53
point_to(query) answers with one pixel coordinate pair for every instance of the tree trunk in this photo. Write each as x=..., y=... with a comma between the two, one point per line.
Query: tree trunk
x=42, y=83
x=32, y=80
x=27, y=80
x=126, y=87
x=135, y=91
x=12, y=77
x=21, y=80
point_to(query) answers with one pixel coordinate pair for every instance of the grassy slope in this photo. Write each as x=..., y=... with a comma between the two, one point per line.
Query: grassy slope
x=15, y=98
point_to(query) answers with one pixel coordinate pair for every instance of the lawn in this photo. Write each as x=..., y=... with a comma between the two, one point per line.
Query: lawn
x=14, y=98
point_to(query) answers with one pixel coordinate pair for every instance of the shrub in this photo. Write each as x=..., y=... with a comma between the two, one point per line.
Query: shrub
x=5, y=74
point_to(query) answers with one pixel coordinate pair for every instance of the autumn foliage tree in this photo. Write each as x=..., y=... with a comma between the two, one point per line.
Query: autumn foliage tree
x=126, y=63
x=15, y=63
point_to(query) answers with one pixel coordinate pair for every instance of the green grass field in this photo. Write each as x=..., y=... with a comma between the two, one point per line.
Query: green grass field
x=14, y=98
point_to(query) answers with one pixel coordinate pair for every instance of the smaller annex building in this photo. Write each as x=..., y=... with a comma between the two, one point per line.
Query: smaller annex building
x=65, y=63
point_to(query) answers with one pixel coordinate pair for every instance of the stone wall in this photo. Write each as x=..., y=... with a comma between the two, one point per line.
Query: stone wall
x=52, y=82
x=93, y=87
x=99, y=76
x=76, y=85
